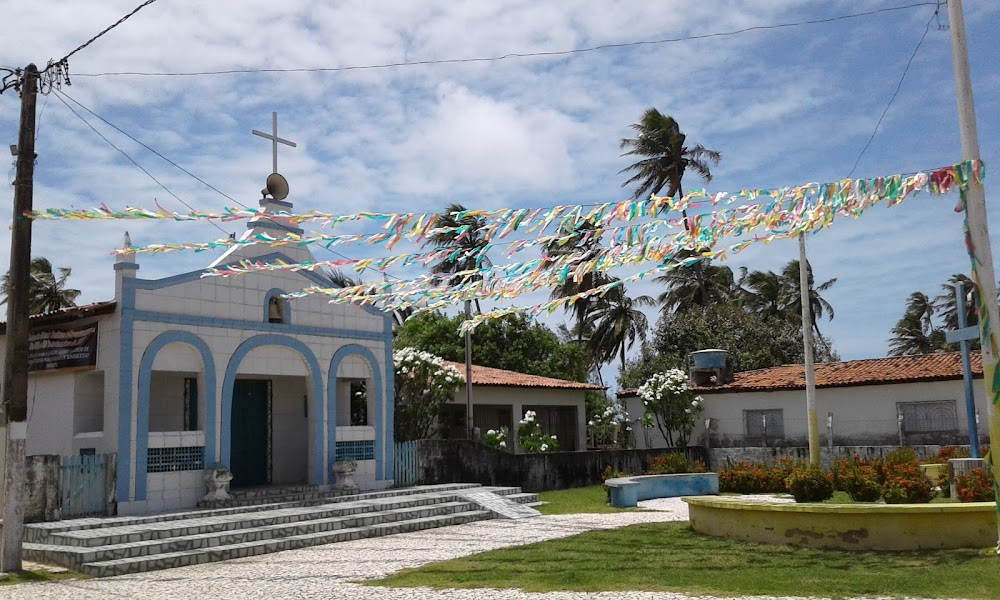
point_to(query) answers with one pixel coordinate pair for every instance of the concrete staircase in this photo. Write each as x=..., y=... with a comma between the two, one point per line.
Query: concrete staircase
x=262, y=521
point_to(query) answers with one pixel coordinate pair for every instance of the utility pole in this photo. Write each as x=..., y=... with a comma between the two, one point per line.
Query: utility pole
x=15, y=374
x=468, y=372
x=807, y=348
x=977, y=234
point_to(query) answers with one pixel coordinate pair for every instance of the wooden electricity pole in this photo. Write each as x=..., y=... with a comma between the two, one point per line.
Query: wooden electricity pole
x=15, y=374
x=807, y=348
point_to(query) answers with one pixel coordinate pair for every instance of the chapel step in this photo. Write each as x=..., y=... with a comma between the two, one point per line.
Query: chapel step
x=132, y=533
x=74, y=557
x=37, y=532
x=106, y=546
x=231, y=551
x=299, y=494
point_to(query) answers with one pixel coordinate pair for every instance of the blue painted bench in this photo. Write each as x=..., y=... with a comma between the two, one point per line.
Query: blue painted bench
x=628, y=491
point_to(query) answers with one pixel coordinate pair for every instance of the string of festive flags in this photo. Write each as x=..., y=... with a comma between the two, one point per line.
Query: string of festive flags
x=780, y=213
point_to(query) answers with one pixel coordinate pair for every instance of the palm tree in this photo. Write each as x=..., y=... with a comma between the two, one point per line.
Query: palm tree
x=684, y=290
x=665, y=159
x=583, y=243
x=947, y=305
x=463, y=234
x=46, y=292
x=618, y=322
x=817, y=304
x=913, y=333
x=770, y=294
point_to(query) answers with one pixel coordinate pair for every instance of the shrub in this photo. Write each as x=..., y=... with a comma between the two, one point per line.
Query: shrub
x=977, y=486
x=531, y=438
x=610, y=473
x=810, y=485
x=901, y=455
x=862, y=484
x=947, y=453
x=496, y=438
x=665, y=464
x=745, y=478
x=905, y=483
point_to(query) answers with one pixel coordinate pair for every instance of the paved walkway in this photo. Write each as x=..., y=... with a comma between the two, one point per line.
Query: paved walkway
x=327, y=571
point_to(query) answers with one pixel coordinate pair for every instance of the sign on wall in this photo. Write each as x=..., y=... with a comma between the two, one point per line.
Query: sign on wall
x=53, y=349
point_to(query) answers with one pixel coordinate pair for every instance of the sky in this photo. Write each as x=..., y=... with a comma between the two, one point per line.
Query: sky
x=784, y=106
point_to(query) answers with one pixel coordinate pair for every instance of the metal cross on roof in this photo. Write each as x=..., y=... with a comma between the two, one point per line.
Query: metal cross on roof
x=275, y=140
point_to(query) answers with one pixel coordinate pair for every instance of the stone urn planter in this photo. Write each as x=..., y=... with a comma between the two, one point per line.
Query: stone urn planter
x=343, y=473
x=217, y=480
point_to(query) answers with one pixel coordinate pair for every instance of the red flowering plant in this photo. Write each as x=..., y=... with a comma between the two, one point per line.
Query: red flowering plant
x=674, y=462
x=977, y=486
x=746, y=478
x=905, y=483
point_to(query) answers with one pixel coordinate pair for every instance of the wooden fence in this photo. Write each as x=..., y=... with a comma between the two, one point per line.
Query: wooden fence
x=84, y=485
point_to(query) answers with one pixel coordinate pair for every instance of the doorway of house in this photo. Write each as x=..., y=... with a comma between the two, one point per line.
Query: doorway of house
x=250, y=450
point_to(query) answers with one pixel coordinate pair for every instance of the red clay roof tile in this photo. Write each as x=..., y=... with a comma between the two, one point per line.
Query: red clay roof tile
x=873, y=371
x=491, y=376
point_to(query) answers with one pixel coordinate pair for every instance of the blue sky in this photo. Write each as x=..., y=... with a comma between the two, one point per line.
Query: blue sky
x=784, y=107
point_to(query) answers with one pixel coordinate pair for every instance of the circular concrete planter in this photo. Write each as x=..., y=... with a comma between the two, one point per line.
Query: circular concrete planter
x=895, y=527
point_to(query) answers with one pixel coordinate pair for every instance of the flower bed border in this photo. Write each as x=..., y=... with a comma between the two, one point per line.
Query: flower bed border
x=626, y=492
x=887, y=527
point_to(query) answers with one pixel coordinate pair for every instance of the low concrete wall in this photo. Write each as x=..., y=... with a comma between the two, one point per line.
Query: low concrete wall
x=891, y=527
x=450, y=461
x=628, y=491
x=719, y=458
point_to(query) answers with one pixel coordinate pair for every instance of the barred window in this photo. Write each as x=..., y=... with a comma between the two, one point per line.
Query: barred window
x=764, y=425
x=931, y=416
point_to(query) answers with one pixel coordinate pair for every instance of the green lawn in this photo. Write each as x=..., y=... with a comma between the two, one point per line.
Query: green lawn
x=591, y=499
x=670, y=557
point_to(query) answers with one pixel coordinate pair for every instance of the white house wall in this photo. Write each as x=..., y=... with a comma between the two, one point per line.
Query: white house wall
x=50, y=413
x=862, y=415
x=518, y=398
x=290, y=432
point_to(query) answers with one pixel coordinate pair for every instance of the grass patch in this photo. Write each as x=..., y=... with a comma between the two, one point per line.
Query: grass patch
x=591, y=499
x=671, y=557
x=37, y=577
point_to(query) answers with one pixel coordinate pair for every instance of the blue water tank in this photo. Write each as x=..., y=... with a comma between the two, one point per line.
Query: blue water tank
x=709, y=359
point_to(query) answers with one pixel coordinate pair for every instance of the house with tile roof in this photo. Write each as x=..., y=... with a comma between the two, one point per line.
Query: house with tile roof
x=183, y=374
x=878, y=401
x=500, y=398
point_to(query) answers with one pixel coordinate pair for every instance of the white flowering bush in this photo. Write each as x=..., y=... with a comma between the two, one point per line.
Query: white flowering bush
x=496, y=438
x=609, y=428
x=531, y=438
x=423, y=385
x=667, y=397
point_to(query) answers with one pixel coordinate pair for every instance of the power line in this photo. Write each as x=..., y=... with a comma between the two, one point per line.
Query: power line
x=123, y=153
x=106, y=30
x=894, y=94
x=515, y=54
x=182, y=169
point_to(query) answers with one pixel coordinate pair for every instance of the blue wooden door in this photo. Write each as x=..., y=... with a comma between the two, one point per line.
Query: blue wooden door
x=251, y=432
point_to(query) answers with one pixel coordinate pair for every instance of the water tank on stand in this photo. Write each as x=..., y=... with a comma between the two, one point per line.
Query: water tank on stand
x=709, y=368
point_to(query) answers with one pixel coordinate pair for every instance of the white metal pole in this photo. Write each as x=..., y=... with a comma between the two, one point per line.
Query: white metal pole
x=977, y=231
x=807, y=347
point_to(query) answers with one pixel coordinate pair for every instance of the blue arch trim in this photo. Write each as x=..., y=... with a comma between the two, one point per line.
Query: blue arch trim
x=142, y=415
x=287, y=307
x=316, y=394
x=331, y=405
x=124, y=473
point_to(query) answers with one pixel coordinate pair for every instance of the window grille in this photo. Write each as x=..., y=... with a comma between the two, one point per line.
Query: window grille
x=764, y=426
x=933, y=416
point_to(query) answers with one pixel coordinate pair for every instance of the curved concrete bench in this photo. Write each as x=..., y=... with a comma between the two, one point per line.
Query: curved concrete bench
x=894, y=527
x=628, y=491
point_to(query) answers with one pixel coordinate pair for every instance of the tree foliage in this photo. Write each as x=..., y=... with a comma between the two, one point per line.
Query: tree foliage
x=511, y=342
x=925, y=320
x=46, y=291
x=753, y=342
